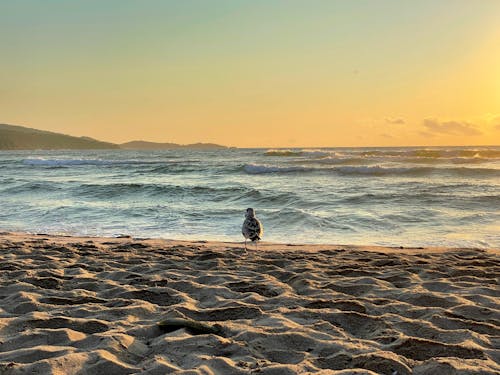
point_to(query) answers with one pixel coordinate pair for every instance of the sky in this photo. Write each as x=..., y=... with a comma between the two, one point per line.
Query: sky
x=255, y=73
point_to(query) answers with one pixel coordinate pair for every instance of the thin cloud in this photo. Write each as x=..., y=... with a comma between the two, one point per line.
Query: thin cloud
x=385, y=135
x=451, y=127
x=397, y=121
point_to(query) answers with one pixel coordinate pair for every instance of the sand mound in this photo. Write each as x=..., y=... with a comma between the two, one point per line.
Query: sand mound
x=92, y=306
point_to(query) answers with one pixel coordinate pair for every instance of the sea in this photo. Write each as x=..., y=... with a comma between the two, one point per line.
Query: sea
x=411, y=197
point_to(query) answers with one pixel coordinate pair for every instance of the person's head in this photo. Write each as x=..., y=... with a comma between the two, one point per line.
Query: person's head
x=250, y=212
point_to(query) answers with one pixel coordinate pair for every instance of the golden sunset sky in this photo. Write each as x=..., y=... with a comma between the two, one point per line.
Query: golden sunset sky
x=263, y=73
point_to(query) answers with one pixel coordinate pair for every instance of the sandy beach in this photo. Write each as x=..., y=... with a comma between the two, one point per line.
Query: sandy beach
x=93, y=306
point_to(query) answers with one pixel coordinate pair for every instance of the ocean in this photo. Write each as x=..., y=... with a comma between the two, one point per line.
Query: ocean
x=440, y=196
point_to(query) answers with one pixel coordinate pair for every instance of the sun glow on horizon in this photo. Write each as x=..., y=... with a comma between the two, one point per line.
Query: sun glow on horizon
x=250, y=74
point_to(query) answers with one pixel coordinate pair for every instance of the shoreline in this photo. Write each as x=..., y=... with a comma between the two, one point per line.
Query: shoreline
x=261, y=246
x=123, y=305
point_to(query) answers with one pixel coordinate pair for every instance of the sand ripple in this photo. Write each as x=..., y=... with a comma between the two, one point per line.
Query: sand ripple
x=91, y=306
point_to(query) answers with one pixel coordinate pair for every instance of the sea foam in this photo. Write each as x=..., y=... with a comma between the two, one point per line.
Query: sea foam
x=389, y=196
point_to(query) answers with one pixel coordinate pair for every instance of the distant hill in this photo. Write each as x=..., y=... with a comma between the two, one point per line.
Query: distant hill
x=144, y=145
x=13, y=137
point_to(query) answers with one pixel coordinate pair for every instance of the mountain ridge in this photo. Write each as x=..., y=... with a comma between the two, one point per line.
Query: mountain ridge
x=16, y=137
x=146, y=145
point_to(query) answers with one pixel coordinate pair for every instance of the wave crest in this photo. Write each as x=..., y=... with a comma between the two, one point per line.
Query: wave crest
x=375, y=170
x=294, y=153
x=262, y=169
x=282, y=153
x=435, y=154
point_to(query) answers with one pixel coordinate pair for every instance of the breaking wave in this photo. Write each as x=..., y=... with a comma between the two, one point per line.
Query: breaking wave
x=399, y=196
x=375, y=170
x=295, y=153
x=433, y=153
x=406, y=156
